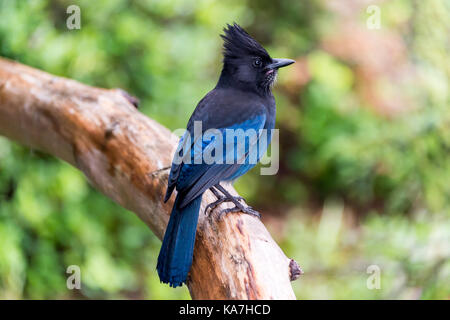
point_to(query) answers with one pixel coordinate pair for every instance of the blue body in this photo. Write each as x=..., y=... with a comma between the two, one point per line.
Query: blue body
x=222, y=109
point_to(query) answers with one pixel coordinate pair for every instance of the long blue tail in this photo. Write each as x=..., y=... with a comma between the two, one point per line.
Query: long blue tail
x=175, y=256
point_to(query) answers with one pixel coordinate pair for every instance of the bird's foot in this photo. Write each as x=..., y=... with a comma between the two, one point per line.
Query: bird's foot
x=222, y=199
x=214, y=204
x=247, y=210
x=227, y=197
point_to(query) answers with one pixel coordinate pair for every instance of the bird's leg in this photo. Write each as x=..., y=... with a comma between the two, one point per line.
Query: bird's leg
x=220, y=198
x=216, y=193
x=239, y=207
x=214, y=204
x=228, y=196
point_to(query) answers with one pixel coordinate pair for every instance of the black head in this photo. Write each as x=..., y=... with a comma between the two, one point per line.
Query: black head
x=246, y=63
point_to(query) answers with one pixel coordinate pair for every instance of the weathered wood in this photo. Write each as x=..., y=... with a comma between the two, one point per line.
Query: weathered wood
x=121, y=152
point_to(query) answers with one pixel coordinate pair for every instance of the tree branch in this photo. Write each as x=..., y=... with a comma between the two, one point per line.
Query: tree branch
x=121, y=152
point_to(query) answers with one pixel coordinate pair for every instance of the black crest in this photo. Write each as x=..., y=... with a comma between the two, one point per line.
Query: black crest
x=237, y=43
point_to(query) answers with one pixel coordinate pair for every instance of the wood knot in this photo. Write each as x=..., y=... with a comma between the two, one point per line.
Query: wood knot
x=109, y=132
x=162, y=171
x=131, y=99
x=294, y=270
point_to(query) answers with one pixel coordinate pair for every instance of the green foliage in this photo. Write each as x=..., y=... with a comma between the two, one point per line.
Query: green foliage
x=360, y=186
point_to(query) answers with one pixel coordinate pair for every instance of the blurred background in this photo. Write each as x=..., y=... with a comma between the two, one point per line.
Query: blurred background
x=364, y=127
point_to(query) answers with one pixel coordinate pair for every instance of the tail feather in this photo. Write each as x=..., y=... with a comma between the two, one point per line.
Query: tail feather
x=175, y=256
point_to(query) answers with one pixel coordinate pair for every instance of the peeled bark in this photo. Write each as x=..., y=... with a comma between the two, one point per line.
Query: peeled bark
x=122, y=152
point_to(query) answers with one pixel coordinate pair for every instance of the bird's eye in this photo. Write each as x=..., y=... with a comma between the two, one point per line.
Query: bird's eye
x=257, y=63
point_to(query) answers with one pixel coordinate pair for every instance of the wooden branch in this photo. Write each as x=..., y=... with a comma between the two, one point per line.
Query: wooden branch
x=121, y=152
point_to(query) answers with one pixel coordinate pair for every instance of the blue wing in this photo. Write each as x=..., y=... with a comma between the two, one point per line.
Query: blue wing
x=238, y=155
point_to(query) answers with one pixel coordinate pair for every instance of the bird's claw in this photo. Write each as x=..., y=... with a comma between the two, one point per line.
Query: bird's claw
x=220, y=200
x=246, y=210
x=249, y=210
x=238, y=206
x=214, y=204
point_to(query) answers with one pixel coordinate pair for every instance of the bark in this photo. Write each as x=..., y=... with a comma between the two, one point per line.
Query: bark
x=122, y=152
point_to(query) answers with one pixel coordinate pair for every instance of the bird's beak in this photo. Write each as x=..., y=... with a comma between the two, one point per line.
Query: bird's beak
x=279, y=63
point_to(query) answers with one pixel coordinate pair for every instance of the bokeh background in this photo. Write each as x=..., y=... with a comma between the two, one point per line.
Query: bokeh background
x=364, y=137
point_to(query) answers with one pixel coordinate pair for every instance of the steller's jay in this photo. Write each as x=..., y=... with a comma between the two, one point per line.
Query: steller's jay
x=242, y=99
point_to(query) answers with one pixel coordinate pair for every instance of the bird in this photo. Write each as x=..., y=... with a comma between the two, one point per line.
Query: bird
x=241, y=100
